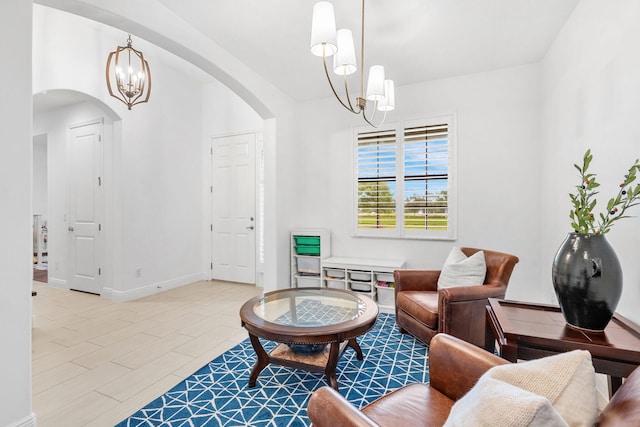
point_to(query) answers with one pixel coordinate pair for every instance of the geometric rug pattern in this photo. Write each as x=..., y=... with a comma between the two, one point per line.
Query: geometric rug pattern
x=218, y=394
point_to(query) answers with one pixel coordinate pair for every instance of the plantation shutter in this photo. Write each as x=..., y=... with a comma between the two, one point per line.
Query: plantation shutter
x=376, y=168
x=426, y=177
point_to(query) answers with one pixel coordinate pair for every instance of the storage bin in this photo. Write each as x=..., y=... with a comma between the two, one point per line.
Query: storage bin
x=360, y=276
x=336, y=284
x=384, y=277
x=386, y=296
x=307, y=240
x=362, y=287
x=308, y=282
x=338, y=273
x=308, y=250
x=308, y=265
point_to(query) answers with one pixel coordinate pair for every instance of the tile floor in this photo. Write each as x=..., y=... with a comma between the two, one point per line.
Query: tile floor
x=95, y=361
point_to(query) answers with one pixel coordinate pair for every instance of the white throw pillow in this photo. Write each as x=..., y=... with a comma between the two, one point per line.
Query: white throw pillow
x=460, y=270
x=566, y=381
x=494, y=403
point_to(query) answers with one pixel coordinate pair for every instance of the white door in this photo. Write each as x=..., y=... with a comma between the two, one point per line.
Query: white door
x=233, y=208
x=85, y=205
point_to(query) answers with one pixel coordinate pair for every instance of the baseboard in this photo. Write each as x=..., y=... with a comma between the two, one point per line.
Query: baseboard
x=29, y=421
x=153, y=288
x=58, y=283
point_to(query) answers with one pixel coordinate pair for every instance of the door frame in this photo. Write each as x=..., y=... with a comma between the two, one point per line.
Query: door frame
x=259, y=182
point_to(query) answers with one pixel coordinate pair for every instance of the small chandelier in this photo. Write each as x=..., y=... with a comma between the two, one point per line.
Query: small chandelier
x=130, y=71
x=326, y=41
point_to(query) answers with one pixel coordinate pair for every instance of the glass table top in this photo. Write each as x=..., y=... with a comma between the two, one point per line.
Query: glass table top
x=309, y=307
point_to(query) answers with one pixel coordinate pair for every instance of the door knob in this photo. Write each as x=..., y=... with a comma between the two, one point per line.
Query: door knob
x=71, y=228
x=250, y=227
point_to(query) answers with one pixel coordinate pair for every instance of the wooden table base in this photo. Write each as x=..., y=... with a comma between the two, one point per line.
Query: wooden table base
x=325, y=361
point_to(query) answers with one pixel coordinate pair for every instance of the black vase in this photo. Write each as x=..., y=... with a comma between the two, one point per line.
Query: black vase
x=587, y=278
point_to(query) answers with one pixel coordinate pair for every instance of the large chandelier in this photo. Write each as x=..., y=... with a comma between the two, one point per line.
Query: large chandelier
x=128, y=73
x=326, y=41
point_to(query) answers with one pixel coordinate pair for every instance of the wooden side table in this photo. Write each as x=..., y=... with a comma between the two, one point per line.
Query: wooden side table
x=528, y=331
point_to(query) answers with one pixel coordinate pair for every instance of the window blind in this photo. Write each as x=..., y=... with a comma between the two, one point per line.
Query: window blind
x=376, y=168
x=426, y=177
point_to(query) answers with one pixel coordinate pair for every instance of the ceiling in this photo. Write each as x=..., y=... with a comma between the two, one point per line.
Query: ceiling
x=416, y=40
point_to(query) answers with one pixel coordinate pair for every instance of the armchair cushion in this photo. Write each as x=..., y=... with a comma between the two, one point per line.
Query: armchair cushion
x=555, y=391
x=460, y=270
x=421, y=305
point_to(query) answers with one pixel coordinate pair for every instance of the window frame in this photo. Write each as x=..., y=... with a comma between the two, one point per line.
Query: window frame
x=399, y=231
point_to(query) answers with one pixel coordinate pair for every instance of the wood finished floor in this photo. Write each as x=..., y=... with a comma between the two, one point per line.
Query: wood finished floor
x=95, y=361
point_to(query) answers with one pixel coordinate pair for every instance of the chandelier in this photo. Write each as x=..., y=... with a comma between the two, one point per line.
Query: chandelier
x=326, y=41
x=128, y=73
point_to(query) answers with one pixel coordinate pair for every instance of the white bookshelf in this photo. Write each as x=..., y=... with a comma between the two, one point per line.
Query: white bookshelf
x=362, y=275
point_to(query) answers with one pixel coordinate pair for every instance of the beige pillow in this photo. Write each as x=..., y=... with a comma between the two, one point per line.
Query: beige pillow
x=494, y=403
x=460, y=270
x=566, y=381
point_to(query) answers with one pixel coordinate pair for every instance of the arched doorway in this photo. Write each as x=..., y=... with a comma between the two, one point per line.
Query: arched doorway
x=75, y=136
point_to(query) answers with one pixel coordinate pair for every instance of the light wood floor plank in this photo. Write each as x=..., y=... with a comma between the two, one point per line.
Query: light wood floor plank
x=96, y=362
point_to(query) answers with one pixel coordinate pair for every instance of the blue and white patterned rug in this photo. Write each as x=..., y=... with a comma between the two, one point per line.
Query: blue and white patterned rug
x=218, y=395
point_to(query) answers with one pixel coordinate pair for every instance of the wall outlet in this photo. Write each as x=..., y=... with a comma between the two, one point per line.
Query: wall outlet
x=138, y=272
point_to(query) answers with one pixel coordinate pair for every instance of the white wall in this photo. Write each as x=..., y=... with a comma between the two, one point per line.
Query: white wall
x=225, y=112
x=15, y=214
x=497, y=127
x=40, y=175
x=154, y=205
x=591, y=88
x=161, y=187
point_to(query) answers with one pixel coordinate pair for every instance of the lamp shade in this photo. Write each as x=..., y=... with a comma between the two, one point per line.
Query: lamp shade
x=375, y=84
x=389, y=101
x=344, y=61
x=323, y=30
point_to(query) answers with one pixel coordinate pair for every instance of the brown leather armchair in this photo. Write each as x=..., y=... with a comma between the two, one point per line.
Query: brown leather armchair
x=454, y=368
x=423, y=311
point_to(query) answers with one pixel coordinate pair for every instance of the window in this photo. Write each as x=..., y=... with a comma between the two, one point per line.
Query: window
x=404, y=180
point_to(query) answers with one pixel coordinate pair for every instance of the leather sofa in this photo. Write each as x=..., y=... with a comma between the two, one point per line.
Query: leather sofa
x=454, y=368
x=423, y=310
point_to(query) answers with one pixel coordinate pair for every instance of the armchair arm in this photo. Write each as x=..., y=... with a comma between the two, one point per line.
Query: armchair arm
x=471, y=293
x=328, y=408
x=416, y=280
x=455, y=365
x=462, y=311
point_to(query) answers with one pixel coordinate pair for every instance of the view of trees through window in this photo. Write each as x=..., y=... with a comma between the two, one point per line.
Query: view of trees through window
x=417, y=165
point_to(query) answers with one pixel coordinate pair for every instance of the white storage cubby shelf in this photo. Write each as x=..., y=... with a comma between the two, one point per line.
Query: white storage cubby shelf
x=308, y=247
x=374, y=277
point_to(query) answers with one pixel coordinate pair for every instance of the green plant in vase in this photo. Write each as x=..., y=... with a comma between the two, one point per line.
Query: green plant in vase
x=586, y=272
x=583, y=220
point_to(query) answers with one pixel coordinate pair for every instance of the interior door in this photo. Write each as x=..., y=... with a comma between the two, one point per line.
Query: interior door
x=85, y=204
x=233, y=208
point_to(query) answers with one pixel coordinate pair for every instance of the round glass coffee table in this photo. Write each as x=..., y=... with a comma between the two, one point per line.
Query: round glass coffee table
x=314, y=326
